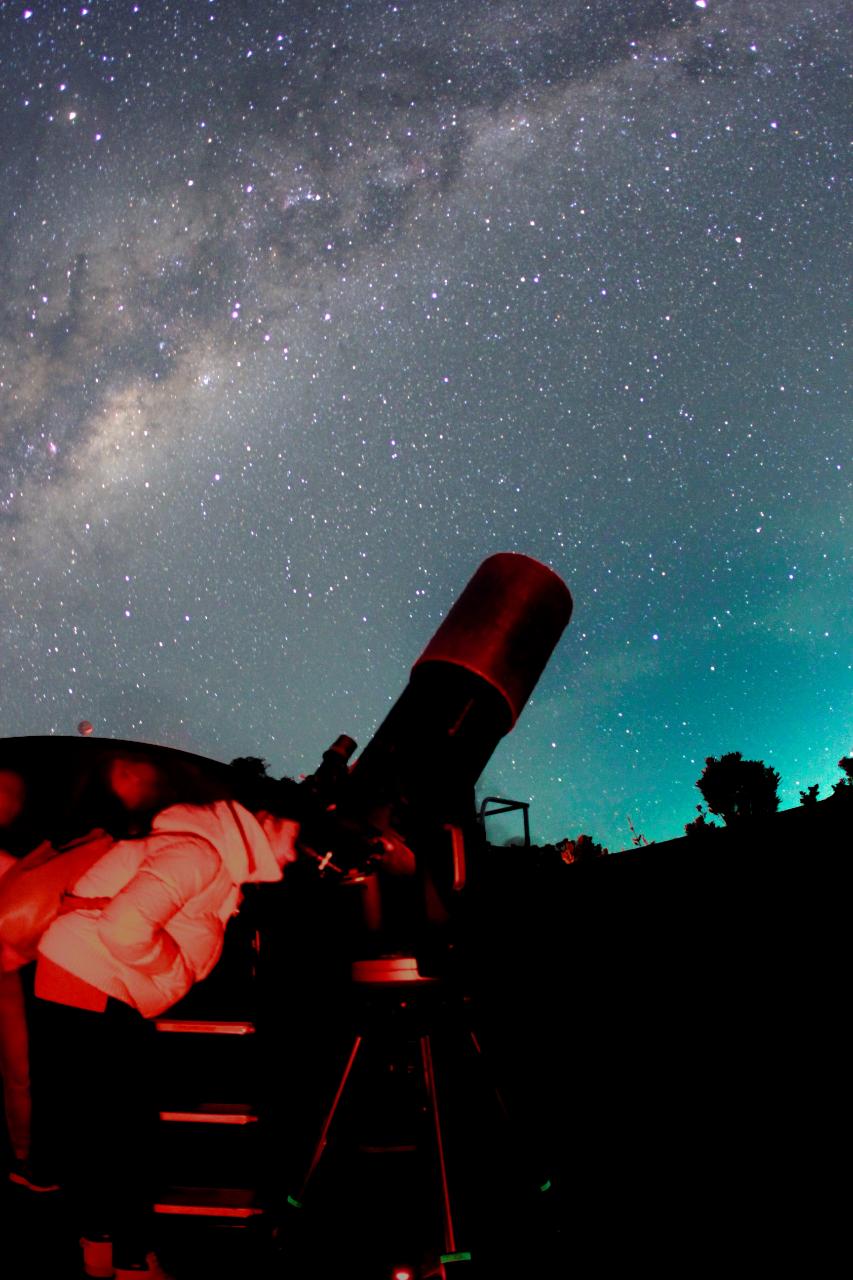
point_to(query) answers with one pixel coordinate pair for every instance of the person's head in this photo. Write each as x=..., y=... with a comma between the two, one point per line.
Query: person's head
x=282, y=834
x=13, y=795
x=138, y=784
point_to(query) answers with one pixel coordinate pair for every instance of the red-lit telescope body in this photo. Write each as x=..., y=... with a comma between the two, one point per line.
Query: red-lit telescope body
x=466, y=690
x=504, y=627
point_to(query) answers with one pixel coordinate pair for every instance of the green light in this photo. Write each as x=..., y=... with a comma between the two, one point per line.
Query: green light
x=455, y=1257
x=297, y=1204
x=546, y=1186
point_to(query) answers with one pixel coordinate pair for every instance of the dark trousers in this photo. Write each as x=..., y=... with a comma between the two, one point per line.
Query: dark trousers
x=94, y=1104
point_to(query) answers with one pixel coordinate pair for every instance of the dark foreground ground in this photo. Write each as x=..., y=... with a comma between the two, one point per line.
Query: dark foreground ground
x=664, y=1027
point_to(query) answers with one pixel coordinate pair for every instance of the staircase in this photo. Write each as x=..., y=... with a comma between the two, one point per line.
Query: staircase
x=207, y=1087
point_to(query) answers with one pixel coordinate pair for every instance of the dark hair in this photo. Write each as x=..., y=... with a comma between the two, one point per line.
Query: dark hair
x=256, y=791
x=92, y=802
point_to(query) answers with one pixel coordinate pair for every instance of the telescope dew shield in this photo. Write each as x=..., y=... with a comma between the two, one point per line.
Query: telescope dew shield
x=504, y=626
x=466, y=690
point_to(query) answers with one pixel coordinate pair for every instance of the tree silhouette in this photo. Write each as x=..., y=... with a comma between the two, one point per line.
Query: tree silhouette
x=250, y=766
x=738, y=789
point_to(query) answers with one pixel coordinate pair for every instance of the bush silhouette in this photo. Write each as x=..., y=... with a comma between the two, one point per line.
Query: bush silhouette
x=583, y=849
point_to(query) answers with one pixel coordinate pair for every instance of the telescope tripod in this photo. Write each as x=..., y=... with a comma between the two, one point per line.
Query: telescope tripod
x=410, y=1010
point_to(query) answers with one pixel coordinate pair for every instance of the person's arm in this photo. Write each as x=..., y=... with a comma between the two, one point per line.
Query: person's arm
x=98, y=842
x=134, y=927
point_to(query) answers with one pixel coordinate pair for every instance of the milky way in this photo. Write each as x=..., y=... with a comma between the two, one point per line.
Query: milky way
x=308, y=308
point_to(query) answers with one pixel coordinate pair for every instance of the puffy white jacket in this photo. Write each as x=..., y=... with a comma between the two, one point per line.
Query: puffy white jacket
x=172, y=894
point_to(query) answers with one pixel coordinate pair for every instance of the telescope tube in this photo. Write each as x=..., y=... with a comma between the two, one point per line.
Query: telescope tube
x=465, y=692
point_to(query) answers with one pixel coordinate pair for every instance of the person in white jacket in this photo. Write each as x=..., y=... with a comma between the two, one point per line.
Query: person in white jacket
x=151, y=914
x=146, y=922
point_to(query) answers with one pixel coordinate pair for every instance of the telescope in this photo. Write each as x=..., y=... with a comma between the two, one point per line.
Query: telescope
x=405, y=804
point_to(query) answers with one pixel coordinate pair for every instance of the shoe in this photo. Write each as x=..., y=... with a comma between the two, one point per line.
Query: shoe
x=97, y=1257
x=23, y=1175
x=150, y=1270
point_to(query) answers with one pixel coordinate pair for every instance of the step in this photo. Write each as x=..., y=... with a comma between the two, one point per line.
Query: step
x=197, y=1147
x=237, y=1204
x=193, y=1026
x=212, y=1113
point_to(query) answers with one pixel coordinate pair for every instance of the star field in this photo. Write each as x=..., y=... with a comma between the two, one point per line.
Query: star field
x=308, y=308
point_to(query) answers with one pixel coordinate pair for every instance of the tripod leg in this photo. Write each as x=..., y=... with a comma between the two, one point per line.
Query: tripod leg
x=451, y=1252
x=296, y=1201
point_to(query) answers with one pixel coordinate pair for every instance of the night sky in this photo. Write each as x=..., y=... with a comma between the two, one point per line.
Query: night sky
x=307, y=308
